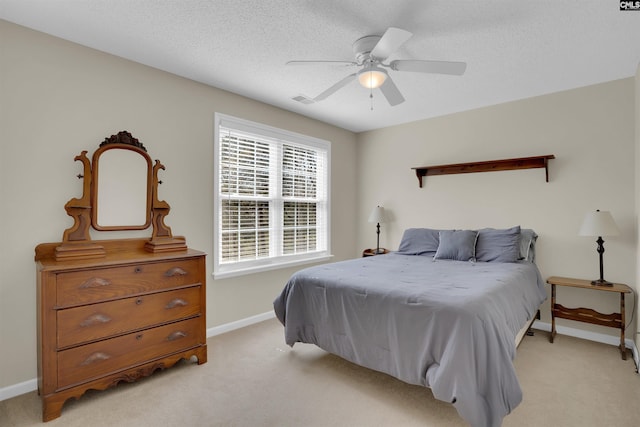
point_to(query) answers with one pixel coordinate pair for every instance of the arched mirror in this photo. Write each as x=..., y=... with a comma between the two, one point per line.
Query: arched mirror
x=121, y=193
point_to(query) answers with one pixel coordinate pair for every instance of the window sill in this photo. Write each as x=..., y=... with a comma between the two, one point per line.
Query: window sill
x=260, y=268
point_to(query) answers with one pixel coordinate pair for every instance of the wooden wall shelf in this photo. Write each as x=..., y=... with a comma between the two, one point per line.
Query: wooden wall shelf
x=487, y=166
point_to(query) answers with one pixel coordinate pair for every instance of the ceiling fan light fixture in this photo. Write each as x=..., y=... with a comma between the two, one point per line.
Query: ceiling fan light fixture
x=372, y=77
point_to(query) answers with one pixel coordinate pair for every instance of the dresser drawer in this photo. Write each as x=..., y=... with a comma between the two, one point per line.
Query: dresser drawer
x=82, y=287
x=91, y=361
x=91, y=322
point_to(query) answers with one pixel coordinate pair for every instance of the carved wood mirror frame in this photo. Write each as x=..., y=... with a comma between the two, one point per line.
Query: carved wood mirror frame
x=121, y=145
x=76, y=240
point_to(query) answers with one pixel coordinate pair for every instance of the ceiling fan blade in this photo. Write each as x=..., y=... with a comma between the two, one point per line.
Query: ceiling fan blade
x=335, y=87
x=391, y=92
x=321, y=62
x=391, y=40
x=437, y=67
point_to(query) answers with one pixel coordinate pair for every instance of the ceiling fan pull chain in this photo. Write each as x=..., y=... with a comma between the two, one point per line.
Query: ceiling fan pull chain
x=371, y=89
x=371, y=97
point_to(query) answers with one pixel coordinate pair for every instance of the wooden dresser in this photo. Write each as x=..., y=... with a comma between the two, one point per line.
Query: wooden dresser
x=115, y=318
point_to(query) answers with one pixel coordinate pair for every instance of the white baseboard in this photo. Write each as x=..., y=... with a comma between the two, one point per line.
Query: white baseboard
x=31, y=385
x=591, y=336
x=228, y=327
x=18, y=389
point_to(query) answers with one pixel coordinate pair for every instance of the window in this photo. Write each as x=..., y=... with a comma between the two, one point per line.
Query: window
x=271, y=197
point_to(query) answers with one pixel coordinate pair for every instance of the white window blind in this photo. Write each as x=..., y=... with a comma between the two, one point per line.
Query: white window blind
x=272, y=197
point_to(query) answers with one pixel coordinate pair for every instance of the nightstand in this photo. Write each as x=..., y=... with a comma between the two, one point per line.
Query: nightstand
x=587, y=315
x=372, y=252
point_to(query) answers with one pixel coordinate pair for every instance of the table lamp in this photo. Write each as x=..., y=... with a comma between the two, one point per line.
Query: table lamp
x=599, y=223
x=377, y=216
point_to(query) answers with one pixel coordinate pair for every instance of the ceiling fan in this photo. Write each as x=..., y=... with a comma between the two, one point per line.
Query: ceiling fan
x=370, y=53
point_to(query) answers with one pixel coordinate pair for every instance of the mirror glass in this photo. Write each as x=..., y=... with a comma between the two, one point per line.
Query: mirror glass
x=121, y=190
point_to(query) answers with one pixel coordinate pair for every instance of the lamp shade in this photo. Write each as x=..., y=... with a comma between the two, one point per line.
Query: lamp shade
x=377, y=215
x=598, y=223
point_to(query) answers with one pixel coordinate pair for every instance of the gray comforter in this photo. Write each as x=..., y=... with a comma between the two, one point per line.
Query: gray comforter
x=447, y=325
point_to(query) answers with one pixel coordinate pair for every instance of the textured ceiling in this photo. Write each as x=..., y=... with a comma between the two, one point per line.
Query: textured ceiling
x=513, y=49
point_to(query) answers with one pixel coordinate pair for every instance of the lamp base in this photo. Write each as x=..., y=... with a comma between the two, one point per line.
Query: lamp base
x=601, y=282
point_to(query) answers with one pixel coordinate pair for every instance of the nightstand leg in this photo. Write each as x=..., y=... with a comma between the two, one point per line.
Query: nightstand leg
x=623, y=348
x=553, y=313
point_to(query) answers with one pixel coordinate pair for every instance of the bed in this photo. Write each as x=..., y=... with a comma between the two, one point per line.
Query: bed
x=443, y=312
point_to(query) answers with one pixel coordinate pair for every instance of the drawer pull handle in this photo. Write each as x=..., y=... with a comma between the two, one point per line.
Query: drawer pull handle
x=95, y=357
x=138, y=301
x=139, y=337
x=95, y=319
x=137, y=270
x=176, y=335
x=175, y=271
x=178, y=302
x=95, y=282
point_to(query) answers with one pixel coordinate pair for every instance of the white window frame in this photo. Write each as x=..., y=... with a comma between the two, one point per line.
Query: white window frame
x=226, y=270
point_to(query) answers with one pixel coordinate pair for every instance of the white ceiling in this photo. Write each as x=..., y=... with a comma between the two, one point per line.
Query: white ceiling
x=513, y=49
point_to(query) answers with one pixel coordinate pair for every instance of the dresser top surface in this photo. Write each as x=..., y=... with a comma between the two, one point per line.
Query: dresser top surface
x=117, y=252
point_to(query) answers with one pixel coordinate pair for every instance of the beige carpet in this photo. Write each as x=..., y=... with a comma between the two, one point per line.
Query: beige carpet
x=253, y=379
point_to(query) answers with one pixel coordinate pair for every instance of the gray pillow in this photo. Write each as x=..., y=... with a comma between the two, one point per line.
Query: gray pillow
x=498, y=245
x=459, y=245
x=528, y=239
x=419, y=241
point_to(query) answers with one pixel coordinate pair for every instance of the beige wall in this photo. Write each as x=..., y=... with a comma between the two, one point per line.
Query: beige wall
x=58, y=99
x=637, y=196
x=590, y=131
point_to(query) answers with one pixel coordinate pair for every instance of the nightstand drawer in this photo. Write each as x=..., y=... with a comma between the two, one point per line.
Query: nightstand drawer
x=88, y=286
x=92, y=361
x=96, y=321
